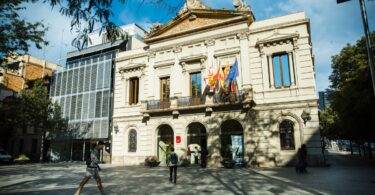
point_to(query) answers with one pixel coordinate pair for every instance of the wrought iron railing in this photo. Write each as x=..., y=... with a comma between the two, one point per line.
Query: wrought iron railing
x=233, y=97
x=190, y=101
x=158, y=104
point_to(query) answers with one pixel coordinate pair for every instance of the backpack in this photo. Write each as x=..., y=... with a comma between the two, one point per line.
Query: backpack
x=174, y=158
x=88, y=158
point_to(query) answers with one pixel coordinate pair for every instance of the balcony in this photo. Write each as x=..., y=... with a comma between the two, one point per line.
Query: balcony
x=242, y=98
x=158, y=104
x=190, y=101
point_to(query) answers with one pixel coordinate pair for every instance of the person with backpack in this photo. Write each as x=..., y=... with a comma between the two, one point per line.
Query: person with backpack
x=172, y=164
x=92, y=169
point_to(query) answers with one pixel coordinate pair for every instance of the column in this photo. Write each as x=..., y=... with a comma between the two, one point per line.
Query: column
x=177, y=74
x=291, y=69
x=265, y=68
x=270, y=68
x=295, y=65
x=151, y=87
x=244, y=64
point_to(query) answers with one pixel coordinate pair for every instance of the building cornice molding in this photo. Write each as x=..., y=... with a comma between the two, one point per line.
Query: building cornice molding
x=164, y=63
x=227, y=52
x=132, y=67
x=279, y=25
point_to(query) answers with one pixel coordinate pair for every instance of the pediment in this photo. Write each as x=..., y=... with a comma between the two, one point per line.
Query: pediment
x=277, y=37
x=195, y=20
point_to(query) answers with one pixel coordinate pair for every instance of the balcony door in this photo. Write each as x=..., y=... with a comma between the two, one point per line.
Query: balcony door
x=196, y=88
x=164, y=92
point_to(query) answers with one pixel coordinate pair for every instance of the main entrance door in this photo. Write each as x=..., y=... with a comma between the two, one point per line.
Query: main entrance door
x=231, y=138
x=197, y=143
x=165, y=142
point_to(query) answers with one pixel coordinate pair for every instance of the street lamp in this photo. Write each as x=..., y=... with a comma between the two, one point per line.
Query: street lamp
x=115, y=127
x=368, y=39
x=306, y=114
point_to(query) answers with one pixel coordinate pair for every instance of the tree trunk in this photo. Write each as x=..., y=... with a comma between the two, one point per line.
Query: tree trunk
x=351, y=147
x=359, y=150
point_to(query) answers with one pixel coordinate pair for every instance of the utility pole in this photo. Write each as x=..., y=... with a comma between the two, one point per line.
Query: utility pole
x=367, y=38
x=368, y=42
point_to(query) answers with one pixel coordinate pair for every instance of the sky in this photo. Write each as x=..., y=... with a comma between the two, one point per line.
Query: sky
x=333, y=25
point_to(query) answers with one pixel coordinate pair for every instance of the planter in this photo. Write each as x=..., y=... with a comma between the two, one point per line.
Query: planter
x=228, y=164
x=153, y=163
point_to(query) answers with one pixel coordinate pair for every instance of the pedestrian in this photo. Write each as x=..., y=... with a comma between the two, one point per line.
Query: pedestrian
x=302, y=159
x=172, y=164
x=196, y=154
x=92, y=169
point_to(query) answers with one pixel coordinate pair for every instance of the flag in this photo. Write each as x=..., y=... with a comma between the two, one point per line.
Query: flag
x=213, y=78
x=223, y=75
x=233, y=73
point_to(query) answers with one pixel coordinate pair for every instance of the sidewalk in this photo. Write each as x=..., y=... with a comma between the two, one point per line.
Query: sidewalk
x=63, y=178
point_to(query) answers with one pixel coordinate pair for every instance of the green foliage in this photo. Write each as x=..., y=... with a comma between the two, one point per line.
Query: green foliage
x=351, y=92
x=16, y=34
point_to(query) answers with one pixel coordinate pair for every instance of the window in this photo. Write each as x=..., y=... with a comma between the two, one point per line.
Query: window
x=195, y=84
x=164, y=88
x=281, y=72
x=133, y=90
x=287, y=135
x=132, y=141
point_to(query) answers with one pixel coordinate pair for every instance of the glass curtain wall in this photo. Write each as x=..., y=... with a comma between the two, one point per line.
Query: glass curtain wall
x=83, y=91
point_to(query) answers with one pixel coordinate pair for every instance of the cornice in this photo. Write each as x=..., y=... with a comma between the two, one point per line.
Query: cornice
x=120, y=59
x=132, y=67
x=225, y=52
x=231, y=21
x=164, y=63
x=280, y=25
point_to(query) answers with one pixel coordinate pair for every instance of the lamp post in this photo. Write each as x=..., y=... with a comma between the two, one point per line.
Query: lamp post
x=367, y=38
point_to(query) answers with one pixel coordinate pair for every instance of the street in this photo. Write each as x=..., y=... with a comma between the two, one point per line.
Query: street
x=347, y=175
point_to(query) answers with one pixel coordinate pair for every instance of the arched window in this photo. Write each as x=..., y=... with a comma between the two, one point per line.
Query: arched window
x=287, y=135
x=132, y=141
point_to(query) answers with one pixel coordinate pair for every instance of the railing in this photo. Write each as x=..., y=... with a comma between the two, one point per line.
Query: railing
x=190, y=101
x=158, y=104
x=219, y=98
x=236, y=97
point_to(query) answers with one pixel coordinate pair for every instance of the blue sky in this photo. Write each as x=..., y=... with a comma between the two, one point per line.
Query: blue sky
x=332, y=25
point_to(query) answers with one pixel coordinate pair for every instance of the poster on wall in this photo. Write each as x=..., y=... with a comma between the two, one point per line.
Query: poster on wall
x=237, y=148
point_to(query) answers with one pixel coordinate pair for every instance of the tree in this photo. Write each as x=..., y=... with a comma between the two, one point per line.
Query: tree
x=39, y=113
x=16, y=34
x=351, y=94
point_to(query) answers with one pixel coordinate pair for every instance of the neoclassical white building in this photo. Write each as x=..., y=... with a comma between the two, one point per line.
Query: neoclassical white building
x=162, y=97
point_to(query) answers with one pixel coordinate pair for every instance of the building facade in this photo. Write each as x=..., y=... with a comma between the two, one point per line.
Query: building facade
x=222, y=83
x=12, y=81
x=85, y=92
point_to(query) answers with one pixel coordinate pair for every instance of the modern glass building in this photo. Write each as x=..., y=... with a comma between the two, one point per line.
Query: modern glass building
x=84, y=91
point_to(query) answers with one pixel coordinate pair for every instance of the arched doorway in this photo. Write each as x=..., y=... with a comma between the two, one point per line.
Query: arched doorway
x=165, y=142
x=231, y=138
x=197, y=141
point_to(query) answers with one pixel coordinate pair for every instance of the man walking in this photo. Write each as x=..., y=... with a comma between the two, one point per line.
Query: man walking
x=93, y=169
x=172, y=163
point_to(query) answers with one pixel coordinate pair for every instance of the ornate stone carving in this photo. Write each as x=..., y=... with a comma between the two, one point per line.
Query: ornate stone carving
x=209, y=42
x=192, y=4
x=241, y=5
x=155, y=26
x=243, y=35
x=151, y=54
x=177, y=49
